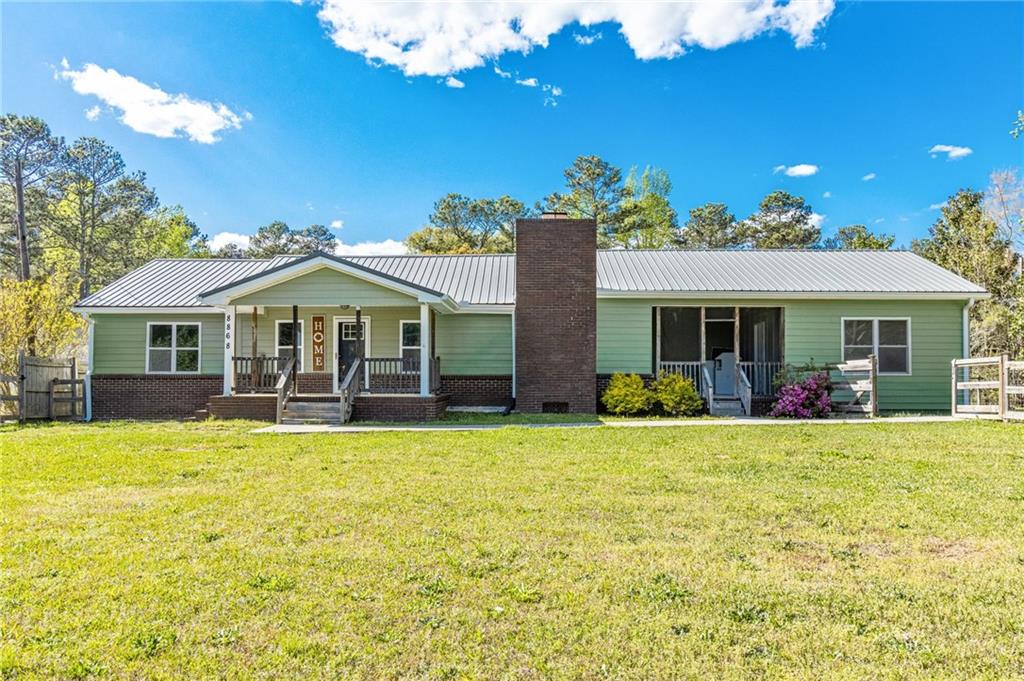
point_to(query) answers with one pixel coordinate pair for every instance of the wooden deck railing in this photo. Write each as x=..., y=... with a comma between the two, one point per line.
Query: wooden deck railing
x=761, y=376
x=398, y=375
x=690, y=370
x=285, y=387
x=257, y=374
x=349, y=389
x=744, y=390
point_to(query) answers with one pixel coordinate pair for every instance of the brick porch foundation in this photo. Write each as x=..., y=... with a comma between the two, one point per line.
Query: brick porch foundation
x=151, y=396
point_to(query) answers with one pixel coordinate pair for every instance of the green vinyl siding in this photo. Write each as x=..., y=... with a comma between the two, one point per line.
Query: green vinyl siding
x=326, y=287
x=383, y=330
x=812, y=331
x=119, y=341
x=474, y=344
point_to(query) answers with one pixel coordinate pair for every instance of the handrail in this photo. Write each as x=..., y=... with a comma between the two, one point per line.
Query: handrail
x=743, y=388
x=349, y=389
x=709, y=388
x=762, y=376
x=285, y=385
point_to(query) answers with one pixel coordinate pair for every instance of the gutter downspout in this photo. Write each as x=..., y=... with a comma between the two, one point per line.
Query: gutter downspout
x=513, y=358
x=91, y=336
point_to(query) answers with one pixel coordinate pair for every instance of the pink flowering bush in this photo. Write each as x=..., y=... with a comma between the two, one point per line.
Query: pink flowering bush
x=808, y=398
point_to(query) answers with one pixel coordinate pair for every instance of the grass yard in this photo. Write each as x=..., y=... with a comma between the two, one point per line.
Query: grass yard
x=201, y=550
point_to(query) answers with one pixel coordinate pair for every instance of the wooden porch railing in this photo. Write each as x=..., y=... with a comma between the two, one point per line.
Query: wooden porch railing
x=761, y=376
x=398, y=374
x=349, y=389
x=257, y=374
x=690, y=370
x=285, y=387
x=744, y=390
x=709, y=387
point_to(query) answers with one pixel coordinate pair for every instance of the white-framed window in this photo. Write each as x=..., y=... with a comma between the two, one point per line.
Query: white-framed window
x=887, y=338
x=409, y=342
x=283, y=340
x=173, y=347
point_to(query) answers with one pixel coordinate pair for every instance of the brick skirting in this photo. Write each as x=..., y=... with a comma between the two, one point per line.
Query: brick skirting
x=399, y=407
x=477, y=391
x=254, y=407
x=151, y=396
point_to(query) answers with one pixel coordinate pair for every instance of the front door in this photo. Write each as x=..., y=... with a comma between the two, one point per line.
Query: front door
x=348, y=346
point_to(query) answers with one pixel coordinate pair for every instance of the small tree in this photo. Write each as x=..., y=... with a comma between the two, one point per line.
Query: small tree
x=859, y=237
x=710, y=226
x=782, y=221
x=37, y=312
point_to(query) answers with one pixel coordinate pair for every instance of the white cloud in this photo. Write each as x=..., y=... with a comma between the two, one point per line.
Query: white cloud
x=587, y=39
x=222, y=239
x=527, y=82
x=149, y=109
x=951, y=151
x=93, y=113
x=441, y=38
x=452, y=81
x=553, y=89
x=879, y=221
x=817, y=220
x=937, y=206
x=337, y=224
x=503, y=74
x=827, y=195
x=799, y=170
x=869, y=177
x=386, y=247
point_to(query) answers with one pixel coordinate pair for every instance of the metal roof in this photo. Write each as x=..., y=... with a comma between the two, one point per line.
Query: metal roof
x=775, y=271
x=490, y=279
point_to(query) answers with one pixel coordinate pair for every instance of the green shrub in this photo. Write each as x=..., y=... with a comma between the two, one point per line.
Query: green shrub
x=626, y=395
x=676, y=395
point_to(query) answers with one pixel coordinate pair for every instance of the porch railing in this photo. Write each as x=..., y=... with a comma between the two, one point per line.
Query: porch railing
x=257, y=374
x=349, y=388
x=285, y=387
x=761, y=376
x=398, y=374
x=690, y=370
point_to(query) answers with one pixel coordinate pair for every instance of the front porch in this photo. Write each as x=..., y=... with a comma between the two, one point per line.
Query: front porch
x=731, y=353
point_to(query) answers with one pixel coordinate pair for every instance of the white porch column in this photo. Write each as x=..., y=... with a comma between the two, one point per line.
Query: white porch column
x=229, y=348
x=424, y=349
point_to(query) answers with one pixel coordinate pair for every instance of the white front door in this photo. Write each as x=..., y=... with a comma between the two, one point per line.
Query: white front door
x=725, y=374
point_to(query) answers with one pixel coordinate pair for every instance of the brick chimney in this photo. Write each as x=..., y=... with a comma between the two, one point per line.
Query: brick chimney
x=556, y=314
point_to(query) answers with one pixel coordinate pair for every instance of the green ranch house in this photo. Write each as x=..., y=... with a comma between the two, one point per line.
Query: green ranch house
x=323, y=337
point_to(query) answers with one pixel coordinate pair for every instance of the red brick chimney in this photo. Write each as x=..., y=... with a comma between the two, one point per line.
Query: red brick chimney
x=556, y=314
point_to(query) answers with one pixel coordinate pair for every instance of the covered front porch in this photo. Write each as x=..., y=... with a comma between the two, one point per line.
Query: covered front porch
x=320, y=334
x=731, y=353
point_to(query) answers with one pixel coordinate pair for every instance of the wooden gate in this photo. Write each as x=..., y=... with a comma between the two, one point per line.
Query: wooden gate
x=44, y=388
x=988, y=387
x=858, y=381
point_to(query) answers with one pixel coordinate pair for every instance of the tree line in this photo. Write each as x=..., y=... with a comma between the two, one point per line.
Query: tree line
x=631, y=212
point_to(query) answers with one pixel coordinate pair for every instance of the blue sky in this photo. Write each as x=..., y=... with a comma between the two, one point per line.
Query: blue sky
x=309, y=131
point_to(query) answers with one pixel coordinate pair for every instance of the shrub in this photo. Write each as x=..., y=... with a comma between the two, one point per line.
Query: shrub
x=808, y=398
x=676, y=395
x=626, y=395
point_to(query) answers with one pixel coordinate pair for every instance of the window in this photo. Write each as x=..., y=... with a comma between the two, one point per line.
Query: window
x=172, y=348
x=887, y=339
x=409, y=343
x=283, y=343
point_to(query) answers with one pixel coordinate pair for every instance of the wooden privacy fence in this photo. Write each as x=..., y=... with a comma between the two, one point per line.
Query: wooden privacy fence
x=988, y=387
x=43, y=388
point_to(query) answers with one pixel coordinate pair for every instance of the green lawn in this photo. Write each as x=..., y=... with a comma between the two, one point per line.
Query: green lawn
x=201, y=550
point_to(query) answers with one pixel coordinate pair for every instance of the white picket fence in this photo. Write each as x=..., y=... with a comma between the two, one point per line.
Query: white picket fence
x=988, y=387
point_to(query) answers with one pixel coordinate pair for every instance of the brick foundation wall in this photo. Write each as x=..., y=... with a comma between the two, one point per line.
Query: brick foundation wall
x=399, y=407
x=151, y=396
x=477, y=391
x=253, y=407
x=556, y=315
x=316, y=382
